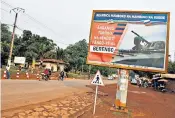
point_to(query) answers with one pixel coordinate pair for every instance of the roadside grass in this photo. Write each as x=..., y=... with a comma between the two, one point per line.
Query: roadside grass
x=117, y=113
x=77, y=76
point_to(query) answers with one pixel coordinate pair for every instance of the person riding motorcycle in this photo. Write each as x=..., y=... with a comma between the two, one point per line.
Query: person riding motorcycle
x=46, y=73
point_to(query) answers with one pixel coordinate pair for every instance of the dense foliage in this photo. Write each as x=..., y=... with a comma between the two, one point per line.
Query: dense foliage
x=35, y=46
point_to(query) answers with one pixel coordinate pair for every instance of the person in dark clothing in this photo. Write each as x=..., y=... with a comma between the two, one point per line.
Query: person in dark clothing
x=62, y=75
x=155, y=84
x=46, y=72
x=50, y=72
x=7, y=72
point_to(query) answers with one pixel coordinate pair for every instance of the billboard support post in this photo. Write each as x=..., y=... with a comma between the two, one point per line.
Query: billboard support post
x=122, y=88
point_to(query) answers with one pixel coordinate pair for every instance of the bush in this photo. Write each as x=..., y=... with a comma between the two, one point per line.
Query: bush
x=77, y=76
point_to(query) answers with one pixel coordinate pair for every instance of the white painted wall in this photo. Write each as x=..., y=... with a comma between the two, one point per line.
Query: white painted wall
x=50, y=65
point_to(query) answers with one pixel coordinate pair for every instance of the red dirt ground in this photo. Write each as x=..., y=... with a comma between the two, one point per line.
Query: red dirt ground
x=151, y=104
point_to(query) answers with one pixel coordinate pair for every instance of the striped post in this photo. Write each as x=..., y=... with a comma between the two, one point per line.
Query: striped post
x=122, y=88
x=5, y=75
x=27, y=75
x=37, y=76
x=17, y=74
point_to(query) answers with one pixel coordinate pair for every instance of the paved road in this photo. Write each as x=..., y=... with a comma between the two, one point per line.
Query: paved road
x=16, y=93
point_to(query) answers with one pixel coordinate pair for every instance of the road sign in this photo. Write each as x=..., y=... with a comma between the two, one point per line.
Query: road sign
x=98, y=82
x=97, y=79
x=19, y=60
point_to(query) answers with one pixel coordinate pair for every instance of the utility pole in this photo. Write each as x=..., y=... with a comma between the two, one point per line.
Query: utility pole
x=16, y=10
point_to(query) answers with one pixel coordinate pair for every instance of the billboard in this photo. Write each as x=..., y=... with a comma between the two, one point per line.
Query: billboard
x=136, y=40
x=19, y=60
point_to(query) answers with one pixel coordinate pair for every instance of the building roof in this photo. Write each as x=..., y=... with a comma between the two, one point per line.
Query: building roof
x=54, y=61
x=169, y=76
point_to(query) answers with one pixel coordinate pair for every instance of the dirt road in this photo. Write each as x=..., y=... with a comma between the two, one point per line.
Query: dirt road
x=142, y=103
x=16, y=93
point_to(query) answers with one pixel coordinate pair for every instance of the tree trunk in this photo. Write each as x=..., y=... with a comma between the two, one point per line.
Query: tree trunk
x=89, y=75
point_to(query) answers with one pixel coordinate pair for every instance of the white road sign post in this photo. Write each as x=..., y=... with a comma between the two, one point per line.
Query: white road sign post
x=95, y=98
x=98, y=82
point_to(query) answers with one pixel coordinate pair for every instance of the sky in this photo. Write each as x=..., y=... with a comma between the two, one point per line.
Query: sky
x=68, y=21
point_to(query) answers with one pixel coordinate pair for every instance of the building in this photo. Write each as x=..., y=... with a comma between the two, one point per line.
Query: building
x=53, y=64
x=172, y=56
x=170, y=85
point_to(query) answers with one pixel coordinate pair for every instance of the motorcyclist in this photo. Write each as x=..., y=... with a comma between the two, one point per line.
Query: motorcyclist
x=46, y=72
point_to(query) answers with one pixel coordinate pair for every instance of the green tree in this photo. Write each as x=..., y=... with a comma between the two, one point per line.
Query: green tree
x=171, y=67
x=76, y=54
x=28, y=45
x=5, y=43
x=60, y=54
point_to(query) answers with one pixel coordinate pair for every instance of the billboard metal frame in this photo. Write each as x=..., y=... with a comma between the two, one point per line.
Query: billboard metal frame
x=128, y=67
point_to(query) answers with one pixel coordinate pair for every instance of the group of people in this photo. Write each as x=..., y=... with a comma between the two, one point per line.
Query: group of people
x=157, y=85
x=143, y=83
x=48, y=72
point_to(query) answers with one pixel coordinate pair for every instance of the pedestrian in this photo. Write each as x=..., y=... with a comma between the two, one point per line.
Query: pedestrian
x=50, y=73
x=140, y=82
x=7, y=71
x=20, y=68
x=155, y=84
x=52, y=68
x=62, y=75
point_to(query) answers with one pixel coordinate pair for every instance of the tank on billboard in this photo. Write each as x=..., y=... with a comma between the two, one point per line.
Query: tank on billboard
x=135, y=40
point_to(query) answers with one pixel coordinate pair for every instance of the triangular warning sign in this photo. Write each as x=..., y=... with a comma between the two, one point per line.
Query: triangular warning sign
x=97, y=79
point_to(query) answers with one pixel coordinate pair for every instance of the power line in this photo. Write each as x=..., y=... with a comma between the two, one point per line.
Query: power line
x=6, y=4
x=21, y=29
x=32, y=18
x=38, y=22
x=5, y=10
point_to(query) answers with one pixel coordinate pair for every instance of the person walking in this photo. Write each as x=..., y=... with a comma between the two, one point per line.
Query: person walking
x=140, y=82
x=7, y=71
x=62, y=75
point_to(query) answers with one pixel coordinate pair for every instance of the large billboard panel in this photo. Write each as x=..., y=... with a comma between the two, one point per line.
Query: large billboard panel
x=135, y=40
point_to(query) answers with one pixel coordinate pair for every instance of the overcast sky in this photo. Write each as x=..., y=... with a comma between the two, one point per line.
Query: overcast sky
x=70, y=19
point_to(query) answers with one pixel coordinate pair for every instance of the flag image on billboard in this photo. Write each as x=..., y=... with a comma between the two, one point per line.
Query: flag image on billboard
x=129, y=39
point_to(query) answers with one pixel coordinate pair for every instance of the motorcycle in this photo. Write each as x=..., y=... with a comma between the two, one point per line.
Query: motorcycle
x=145, y=84
x=162, y=88
x=44, y=77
